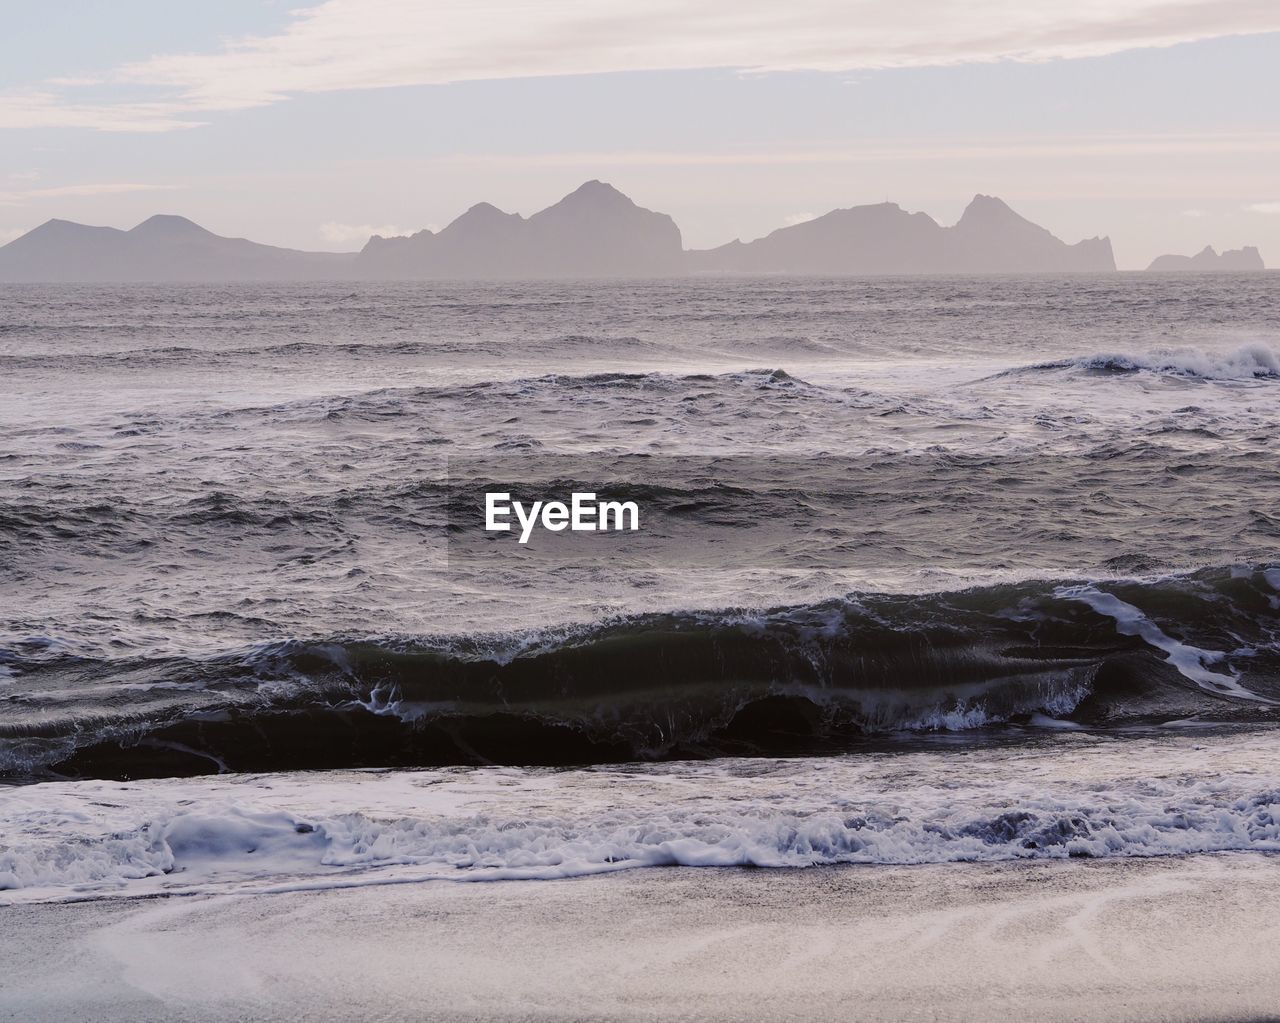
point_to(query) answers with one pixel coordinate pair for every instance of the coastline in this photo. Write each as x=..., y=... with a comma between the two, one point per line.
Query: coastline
x=1186, y=938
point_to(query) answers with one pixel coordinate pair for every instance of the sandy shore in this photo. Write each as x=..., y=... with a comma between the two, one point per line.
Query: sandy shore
x=1165, y=939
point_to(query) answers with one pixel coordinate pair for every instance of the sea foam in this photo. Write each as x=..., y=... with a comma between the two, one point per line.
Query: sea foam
x=1060, y=796
x=1248, y=362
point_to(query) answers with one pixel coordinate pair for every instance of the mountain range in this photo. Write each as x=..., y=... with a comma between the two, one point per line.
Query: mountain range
x=884, y=238
x=161, y=248
x=595, y=231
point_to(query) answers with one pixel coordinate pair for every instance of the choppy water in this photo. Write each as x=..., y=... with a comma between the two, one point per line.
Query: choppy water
x=972, y=504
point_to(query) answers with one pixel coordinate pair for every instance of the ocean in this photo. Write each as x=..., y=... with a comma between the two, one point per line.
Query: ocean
x=930, y=570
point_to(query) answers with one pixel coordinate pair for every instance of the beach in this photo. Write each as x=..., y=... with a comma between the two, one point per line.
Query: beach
x=1128, y=939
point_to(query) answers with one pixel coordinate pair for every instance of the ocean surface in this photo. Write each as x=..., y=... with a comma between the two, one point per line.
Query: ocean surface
x=964, y=568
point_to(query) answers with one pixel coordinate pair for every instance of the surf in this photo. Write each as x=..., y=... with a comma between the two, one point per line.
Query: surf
x=807, y=678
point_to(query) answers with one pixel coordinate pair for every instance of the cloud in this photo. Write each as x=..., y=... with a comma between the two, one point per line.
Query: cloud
x=72, y=81
x=8, y=234
x=1036, y=147
x=1264, y=207
x=33, y=108
x=335, y=232
x=798, y=218
x=372, y=44
x=1196, y=214
x=23, y=197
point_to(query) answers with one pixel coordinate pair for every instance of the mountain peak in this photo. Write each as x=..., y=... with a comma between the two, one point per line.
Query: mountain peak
x=170, y=225
x=486, y=211
x=58, y=224
x=59, y=233
x=987, y=208
x=596, y=191
x=483, y=217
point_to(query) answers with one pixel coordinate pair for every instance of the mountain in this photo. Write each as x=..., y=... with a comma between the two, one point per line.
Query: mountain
x=882, y=238
x=1248, y=258
x=886, y=239
x=598, y=230
x=595, y=231
x=162, y=248
x=991, y=238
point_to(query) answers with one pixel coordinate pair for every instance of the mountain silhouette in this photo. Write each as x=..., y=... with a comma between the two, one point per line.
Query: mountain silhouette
x=595, y=231
x=882, y=238
x=885, y=239
x=161, y=248
x=1247, y=258
x=991, y=238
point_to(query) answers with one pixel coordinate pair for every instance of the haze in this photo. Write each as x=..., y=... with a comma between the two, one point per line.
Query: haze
x=316, y=125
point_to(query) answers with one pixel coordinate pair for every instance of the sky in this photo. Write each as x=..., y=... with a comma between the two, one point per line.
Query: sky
x=315, y=124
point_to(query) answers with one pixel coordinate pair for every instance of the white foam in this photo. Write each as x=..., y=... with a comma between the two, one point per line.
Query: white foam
x=1068, y=794
x=1189, y=660
x=1248, y=362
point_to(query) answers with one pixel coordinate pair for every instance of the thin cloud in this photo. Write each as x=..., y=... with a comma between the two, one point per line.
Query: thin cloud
x=71, y=81
x=25, y=196
x=1264, y=207
x=373, y=44
x=32, y=108
x=978, y=149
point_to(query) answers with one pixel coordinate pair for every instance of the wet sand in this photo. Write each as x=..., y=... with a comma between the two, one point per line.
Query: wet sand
x=1158, y=939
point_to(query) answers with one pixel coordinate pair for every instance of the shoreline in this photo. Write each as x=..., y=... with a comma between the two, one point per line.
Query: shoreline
x=1186, y=938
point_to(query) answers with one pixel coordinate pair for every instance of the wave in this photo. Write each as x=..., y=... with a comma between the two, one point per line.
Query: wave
x=1053, y=798
x=879, y=508
x=810, y=678
x=559, y=387
x=1248, y=362
x=287, y=347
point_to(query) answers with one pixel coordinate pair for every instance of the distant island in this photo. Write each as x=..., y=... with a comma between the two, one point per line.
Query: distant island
x=162, y=248
x=1207, y=259
x=884, y=238
x=595, y=231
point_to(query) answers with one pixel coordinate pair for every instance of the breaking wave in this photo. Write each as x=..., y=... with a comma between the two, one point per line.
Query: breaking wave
x=1248, y=362
x=804, y=679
